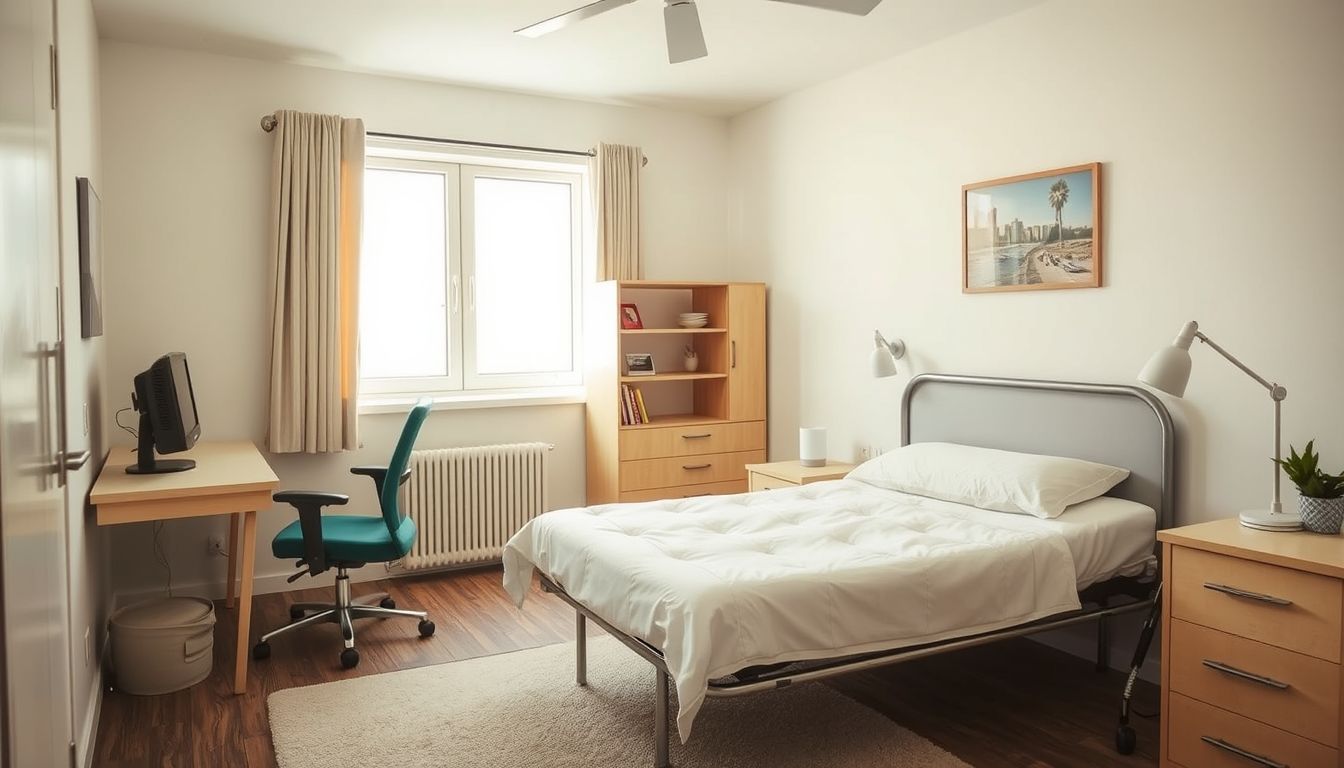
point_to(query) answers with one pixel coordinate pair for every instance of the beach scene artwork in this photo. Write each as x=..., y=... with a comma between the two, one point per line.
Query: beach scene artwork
x=1036, y=231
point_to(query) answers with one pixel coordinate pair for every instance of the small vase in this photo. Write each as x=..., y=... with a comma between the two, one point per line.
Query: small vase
x=691, y=362
x=1321, y=515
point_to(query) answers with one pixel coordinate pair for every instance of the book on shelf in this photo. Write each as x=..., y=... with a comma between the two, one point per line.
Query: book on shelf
x=633, y=411
x=643, y=412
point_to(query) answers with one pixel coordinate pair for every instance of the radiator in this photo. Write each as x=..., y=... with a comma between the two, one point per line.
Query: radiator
x=467, y=502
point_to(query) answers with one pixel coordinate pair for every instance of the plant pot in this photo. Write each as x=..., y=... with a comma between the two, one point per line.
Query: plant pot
x=691, y=363
x=1321, y=515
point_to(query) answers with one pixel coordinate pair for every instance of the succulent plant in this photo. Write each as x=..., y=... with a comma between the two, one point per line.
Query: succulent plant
x=1305, y=472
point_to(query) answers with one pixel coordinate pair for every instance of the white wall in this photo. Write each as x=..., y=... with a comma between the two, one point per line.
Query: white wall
x=1218, y=123
x=187, y=173
x=85, y=360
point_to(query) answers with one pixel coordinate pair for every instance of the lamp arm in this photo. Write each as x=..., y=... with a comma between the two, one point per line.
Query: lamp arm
x=1273, y=388
x=1276, y=392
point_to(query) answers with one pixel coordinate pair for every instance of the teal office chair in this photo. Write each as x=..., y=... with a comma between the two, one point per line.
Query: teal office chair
x=350, y=541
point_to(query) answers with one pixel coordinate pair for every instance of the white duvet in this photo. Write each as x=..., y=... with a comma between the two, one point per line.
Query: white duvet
x=723, y=582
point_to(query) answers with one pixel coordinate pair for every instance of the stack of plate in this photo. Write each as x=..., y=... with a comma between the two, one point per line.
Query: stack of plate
x=693, y=319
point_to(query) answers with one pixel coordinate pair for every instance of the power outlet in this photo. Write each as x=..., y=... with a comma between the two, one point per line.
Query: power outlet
x=215, y=545
x=865, y=453
x=88, y=647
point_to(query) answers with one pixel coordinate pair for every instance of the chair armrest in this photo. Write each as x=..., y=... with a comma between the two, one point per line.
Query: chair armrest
x=379, y=474
x=310, y=504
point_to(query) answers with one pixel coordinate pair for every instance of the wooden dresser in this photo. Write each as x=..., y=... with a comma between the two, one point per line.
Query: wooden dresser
x=1251, y=647
x=704, y=426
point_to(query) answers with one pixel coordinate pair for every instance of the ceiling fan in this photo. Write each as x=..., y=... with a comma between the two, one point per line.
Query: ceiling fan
x=685, y=40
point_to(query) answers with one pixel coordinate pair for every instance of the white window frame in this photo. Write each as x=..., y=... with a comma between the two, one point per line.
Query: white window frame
x=463, y=386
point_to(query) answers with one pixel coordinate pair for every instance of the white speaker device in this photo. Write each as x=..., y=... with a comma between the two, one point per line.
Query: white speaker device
x=812, y=446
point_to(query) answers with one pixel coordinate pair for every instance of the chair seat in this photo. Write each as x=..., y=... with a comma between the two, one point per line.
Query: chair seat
x=350, y=539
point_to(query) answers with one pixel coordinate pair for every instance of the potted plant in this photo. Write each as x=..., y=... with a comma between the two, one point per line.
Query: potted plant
x=1322, y=494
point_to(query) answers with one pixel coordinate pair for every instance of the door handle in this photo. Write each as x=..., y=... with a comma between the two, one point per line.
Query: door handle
x=732, y=347
x=75, y=461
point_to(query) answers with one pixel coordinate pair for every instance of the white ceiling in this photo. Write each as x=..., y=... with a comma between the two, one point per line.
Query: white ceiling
x=758, y=50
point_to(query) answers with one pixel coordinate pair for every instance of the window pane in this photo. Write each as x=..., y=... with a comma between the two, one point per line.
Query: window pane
x=524, y=283
x=403, y=328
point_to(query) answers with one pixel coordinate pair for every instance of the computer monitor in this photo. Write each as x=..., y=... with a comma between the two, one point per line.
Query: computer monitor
x=167, y=407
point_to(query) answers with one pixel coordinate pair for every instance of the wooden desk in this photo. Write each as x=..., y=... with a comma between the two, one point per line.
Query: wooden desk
x=230, y=478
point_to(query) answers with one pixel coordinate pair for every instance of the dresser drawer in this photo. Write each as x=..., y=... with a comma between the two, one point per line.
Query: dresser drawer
x=1191, y=722
x=687, y=491
x=687, y=470
x=762, y=482
x=726, y=437
x=1289, y=690
x=1280, y=606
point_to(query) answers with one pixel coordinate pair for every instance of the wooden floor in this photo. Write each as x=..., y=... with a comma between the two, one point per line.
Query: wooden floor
x=1015, y=704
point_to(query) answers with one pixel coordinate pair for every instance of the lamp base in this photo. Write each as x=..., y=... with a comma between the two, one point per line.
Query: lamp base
x=1264, y=520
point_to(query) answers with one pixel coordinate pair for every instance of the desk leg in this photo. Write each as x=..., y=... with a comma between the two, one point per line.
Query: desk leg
x=248, y=553
x=233, y=560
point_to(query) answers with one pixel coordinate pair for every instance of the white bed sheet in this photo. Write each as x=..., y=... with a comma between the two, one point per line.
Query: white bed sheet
x=827, y=569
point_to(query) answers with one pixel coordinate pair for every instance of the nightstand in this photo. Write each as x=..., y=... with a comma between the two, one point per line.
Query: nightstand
x=787, y=474
x=1251, y=642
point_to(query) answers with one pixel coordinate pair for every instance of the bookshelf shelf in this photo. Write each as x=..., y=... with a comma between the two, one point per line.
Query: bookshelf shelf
x=659, y=331
x=672, y=377
x=676, y=420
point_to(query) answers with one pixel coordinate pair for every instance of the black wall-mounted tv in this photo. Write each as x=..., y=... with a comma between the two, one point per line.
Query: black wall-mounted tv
x=168, y=422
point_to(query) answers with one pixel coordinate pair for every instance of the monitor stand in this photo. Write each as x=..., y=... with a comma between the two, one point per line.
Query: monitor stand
x=145, y=463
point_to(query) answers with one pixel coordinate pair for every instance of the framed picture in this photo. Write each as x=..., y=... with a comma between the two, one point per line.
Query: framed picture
x=90, y=259
x=639, y=364
x=1032, y=232
x=630, y=317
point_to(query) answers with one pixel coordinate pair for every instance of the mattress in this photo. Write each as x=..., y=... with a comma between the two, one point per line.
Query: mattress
x=824, y=570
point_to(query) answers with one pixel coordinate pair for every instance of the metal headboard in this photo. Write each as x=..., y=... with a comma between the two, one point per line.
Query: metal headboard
x=1108, y=423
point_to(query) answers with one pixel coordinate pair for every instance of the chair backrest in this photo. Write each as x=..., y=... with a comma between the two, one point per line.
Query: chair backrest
x=392, y=514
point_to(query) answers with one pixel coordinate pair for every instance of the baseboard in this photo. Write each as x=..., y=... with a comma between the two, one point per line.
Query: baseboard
x=88, y=734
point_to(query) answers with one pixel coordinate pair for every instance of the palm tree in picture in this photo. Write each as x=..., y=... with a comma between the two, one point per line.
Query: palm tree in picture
x=1059, y=195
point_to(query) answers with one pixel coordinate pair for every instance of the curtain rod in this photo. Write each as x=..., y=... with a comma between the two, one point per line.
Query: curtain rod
x=268, y=125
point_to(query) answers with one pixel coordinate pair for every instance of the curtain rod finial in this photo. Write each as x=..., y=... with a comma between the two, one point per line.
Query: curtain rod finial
x=268, y=123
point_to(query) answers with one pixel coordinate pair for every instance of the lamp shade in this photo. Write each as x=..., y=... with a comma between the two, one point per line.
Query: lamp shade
x=882, y=362
x=1168, y=370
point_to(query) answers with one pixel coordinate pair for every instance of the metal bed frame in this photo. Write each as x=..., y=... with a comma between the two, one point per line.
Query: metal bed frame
x=1114, y=424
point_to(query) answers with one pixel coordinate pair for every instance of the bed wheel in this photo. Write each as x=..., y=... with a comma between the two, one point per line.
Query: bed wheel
x=1125, y=739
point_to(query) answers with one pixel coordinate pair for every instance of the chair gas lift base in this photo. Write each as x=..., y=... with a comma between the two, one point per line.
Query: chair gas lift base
x=349, y=541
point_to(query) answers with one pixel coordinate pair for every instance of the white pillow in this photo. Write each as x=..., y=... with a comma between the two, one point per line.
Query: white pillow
x=1003, y=481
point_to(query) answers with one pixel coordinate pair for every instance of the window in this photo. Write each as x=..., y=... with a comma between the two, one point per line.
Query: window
x=469, y=276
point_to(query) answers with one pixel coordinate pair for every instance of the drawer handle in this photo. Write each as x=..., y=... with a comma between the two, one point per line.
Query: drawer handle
x=1239, y=752
x=1244, y=675
x=696, y=437
x=696, y=495
x=1233, y=591
x=696, y=466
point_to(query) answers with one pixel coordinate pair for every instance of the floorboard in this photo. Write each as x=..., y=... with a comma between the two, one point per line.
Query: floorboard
x=1015, y=704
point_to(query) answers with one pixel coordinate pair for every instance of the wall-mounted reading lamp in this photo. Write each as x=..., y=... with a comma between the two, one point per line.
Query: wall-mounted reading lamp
x=884, y=355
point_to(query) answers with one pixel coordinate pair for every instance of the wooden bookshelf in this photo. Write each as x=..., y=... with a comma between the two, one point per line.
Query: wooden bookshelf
x=716, y=412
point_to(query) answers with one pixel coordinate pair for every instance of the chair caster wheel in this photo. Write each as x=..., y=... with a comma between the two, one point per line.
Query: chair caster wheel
x=350, y=658
x=426, y=628
x=1125, y=740
x=295, y=613
x=261, y=651
x=388, y=603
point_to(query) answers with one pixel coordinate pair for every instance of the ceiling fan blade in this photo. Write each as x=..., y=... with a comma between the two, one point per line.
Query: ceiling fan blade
x=685, y=39
x=856, y=7
x=572, y=17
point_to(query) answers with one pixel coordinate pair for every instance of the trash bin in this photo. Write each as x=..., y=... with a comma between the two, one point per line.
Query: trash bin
x=163, y=645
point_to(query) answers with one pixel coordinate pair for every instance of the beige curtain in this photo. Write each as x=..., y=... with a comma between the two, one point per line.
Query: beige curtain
x=616, y=175
x=316, y=210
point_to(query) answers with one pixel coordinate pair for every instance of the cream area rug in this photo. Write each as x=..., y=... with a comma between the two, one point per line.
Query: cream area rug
x=523, y=709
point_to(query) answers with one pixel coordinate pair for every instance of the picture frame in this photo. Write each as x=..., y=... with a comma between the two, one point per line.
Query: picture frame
x=1011, y=231
x=639, y=364
x=630, y=319
x=89, y=214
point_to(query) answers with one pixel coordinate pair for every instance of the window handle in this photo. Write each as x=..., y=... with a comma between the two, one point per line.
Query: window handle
x=471, y=293
x=456, y=297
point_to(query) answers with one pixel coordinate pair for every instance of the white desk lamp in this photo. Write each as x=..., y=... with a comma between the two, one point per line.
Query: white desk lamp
x=1169, y=371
